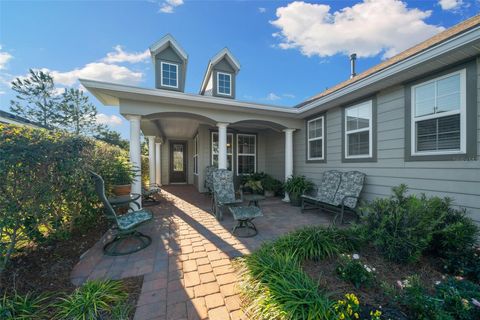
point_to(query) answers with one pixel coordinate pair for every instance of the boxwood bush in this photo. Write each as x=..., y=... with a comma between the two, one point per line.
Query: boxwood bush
x=45, y=186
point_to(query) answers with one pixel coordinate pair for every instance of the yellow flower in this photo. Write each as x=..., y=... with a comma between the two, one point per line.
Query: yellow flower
x=341, y=316
x=356, y=315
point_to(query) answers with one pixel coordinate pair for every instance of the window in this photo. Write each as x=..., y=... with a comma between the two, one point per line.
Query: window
x=169, y=75
x=316, y=132
x=358, y=131
x=229, y=150
x=438, y=115
x=195, y=155
x=224, y=83
x=246, y=153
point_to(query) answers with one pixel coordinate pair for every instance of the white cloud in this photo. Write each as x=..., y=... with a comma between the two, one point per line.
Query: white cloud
x=262, y=10
x=112, y=120
x=97, y=71
x=4, y=58
x=168, y=6
x=288, y=95
x=368, y=28
x=450, y=4
x=119, y=55
x=272, y=97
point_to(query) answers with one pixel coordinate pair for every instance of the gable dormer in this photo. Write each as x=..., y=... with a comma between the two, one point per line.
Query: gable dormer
x=170, y=64
x=219, y=79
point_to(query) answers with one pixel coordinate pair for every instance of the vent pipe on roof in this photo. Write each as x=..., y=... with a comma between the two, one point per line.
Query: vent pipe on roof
x=353, y=58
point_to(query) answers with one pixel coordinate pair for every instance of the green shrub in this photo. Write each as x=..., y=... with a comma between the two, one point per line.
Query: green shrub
x=93, y=300
x=45, y=185
x=402, y=226
x=297, y=185
x=315, y=243
x=23, y=307
x=275, y=287
x=352, y=270
x=453, y=299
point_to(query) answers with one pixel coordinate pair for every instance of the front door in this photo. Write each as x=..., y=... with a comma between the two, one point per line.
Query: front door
x=178, y=162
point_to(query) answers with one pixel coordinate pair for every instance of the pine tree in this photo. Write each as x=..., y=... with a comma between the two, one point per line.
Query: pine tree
x=36, y=98
x=111, y=136
x=76, y=113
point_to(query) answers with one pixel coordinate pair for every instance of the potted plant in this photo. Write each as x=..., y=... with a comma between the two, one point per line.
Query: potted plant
x=271, y=186
x=295, y=186
x=120, y=177
x=252, y=183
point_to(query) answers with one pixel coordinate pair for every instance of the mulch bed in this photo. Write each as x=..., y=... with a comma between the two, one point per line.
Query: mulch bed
x=47, y=267
x=386, y=272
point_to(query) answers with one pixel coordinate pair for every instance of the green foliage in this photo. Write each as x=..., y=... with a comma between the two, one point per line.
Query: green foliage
x=112, y=137
x=298, y=185
x=352, y=270
x=45, y=184
x=36, y=98
x=23, y=307
x=402, y=226
x=453, y=299
x=92, y=300
x=76, y=113
x=276, y=288
x=271, y=184
x=274, y=283
x=260, y=181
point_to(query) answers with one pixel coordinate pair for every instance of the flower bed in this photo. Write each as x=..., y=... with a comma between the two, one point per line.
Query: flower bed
x=398, y=264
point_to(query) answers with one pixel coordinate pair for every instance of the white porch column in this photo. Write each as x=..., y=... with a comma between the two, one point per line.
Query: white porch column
x=135, y=154
x=158, y=168
x=222, y=145
x=288, y=157
x=151, y=158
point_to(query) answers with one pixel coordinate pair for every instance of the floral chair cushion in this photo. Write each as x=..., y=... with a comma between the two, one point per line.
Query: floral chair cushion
x=245, y=213
x=328, y=186
x=209, y=177
x=133, y=219
x=350, y=185
x=223, y=186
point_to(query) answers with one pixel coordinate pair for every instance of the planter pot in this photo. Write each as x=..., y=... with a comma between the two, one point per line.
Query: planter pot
x=295, y=200
x=122, y=189
x=269, y=194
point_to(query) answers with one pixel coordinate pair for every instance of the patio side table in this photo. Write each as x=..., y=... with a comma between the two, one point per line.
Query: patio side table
x=244, y=217
x=253, y=199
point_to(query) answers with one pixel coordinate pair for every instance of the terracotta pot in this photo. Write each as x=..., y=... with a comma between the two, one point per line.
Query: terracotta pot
x=122, y=189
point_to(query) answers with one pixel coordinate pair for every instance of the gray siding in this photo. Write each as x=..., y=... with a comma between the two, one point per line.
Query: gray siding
x=275, y=154
x=169, y=55
x=459, y=180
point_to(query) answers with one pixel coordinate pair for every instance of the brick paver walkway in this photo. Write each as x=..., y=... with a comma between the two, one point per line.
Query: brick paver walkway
x=187, y=269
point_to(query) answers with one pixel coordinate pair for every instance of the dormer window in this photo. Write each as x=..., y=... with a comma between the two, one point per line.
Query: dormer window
x=169, y=75
x=224, y=84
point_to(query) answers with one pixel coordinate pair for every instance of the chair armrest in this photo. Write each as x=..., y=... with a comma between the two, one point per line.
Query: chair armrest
x=349, y=197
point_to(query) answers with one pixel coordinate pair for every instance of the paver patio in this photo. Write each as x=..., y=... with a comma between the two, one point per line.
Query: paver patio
x=187, y=269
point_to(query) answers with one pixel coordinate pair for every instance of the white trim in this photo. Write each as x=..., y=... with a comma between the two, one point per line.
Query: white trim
x=247, y=154
x=161, y=74
x=163, y=42
x=229, y=80
x=315, y=139
x=195, y=154
x=369, y=129
x=211, y=148
x=462, y=111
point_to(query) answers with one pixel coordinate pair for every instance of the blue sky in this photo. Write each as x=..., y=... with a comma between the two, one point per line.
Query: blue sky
x=288, y=50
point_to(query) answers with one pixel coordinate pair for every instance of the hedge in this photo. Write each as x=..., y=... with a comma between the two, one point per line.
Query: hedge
x=45, y=186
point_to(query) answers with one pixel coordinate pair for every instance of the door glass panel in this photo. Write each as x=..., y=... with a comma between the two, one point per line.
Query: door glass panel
x=178, y=157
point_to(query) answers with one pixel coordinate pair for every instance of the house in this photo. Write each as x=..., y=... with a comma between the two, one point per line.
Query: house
x=412, y=119
x=10, y=118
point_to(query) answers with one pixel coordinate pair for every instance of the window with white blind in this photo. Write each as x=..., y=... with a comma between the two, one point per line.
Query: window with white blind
x=195, y=155
x=246, y=153
x=316, y=132
x=229, y=150
x=438, y=115
x=358, y=131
